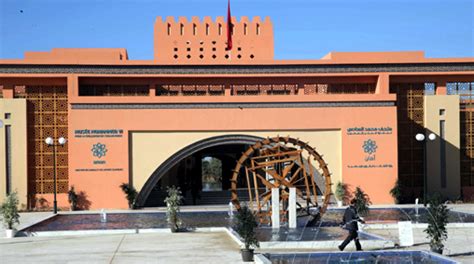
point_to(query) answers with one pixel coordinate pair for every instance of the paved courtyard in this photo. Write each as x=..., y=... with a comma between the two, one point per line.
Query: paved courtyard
x=178, y=248
x=132, y=248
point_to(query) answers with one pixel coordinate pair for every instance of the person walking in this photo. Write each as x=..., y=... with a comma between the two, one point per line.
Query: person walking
x=350, y=223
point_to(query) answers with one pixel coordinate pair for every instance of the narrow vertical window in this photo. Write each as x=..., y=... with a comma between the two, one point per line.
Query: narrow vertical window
x=169, y=29
x=181, y=29
x=220, y=29
x=8, y=159
x=245, y=29
x=194, y=29
x=207, y=29
x=442, y=152
x=258, y=29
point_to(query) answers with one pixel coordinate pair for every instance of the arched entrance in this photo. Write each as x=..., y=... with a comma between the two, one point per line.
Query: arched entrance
x=186, y=167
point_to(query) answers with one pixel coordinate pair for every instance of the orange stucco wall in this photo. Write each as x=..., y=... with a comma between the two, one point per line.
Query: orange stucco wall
x=102, y=187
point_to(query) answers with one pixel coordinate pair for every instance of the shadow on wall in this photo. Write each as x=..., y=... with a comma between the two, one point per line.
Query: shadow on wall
x=39, y=203
x=82, y=202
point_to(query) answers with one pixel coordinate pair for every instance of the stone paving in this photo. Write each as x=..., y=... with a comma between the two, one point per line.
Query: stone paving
x=131, y=248
x=27, y=219
x=182, y=247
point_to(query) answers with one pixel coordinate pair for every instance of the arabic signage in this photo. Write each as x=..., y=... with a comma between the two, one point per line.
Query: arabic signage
x=369, y=130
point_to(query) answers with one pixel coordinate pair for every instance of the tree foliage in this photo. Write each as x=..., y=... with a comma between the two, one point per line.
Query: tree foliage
x=130, y=194
x=341, y=191
x=245, y=224
x=396, y=192
x=437, y=220
x=362, y=201
x=173, y=202
x=9, y=211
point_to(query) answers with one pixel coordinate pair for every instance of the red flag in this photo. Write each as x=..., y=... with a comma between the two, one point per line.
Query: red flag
x=230, y=28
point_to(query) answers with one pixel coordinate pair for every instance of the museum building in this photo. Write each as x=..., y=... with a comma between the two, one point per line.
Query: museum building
x=186, y=116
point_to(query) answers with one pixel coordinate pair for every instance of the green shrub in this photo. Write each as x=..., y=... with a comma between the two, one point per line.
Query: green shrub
x=396, y=192
x=130, y=194
x=9, y=211
x=341, y=192
x=437, y=220
x=173, y=202
x=245, y=223
x=362, y=201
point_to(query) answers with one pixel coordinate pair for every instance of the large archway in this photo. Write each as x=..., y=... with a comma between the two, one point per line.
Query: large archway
x=188, y=151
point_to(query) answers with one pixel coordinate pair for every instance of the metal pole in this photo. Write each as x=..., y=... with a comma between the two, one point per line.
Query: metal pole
x=54, y=173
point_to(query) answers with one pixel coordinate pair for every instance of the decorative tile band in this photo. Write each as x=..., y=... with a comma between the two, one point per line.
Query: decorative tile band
x=232, y=105
x=236, y=69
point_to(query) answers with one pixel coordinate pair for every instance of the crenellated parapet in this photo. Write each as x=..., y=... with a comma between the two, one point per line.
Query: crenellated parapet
x=204, y=41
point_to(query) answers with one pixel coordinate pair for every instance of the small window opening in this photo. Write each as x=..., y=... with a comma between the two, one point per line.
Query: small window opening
x=220, y=29
x=181, y=29
x=207, y=29
x=258, y=29
x=245, y=29
x=194, y=29
x=169, y=29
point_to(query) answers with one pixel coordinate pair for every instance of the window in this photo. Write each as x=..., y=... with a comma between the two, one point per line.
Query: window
x=8, y=159
x=211, y=174
x=258, y=29
x=219, y=27
x=442, y=112
x=430, y=88
x=207, y=29
x=8, y=115
x=465, y=90
x=181, y=29
x=245, y=29
x=169, y=29
x=194, y=29
x=442, y=151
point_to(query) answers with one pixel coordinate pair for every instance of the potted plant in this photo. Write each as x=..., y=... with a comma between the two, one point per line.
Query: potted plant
x=72, y=198
x=245, y=224
x=9, y=214
x=437, y=221
x=396, y=192
x=173, y=201
x=130, y=194
x=340, y=193
x=362, y=201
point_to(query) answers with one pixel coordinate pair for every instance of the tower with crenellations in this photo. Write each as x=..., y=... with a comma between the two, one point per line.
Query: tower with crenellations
x=205, y=41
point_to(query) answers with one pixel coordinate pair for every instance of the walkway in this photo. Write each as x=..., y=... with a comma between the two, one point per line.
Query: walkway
x=137, y=248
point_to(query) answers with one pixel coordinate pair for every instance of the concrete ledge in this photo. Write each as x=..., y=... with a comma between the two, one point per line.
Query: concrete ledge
x=415, y=225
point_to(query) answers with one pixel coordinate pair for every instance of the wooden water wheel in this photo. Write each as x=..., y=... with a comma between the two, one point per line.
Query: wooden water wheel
x=282, y=162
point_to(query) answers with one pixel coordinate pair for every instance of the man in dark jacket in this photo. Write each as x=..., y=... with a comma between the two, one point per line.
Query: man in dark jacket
x=350, y=223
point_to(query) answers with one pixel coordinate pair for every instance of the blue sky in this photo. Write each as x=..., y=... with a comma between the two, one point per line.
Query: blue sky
x=303, y=29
